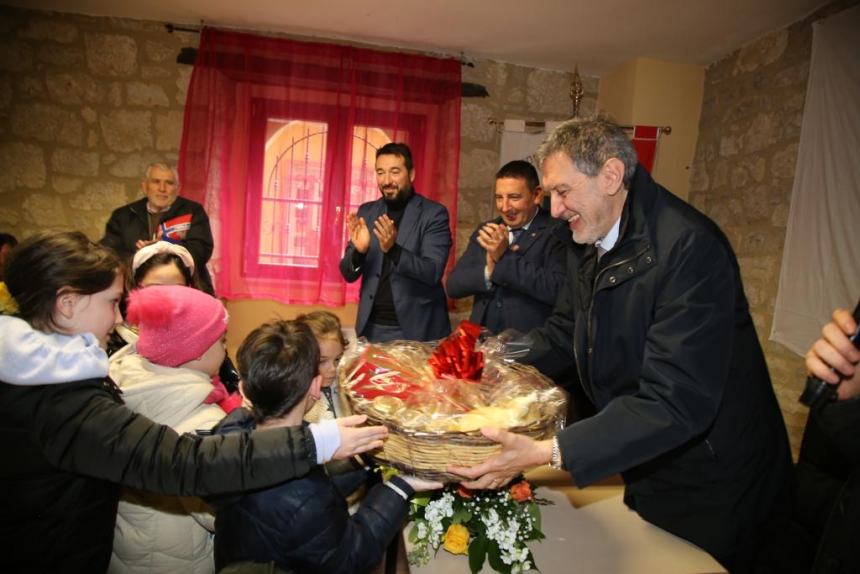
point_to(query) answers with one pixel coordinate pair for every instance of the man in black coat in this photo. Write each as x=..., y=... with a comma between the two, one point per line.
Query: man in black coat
x=162, y=215
x=515, y=264
x=655, y=318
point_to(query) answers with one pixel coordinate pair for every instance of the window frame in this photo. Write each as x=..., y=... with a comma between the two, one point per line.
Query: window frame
x=339, y=130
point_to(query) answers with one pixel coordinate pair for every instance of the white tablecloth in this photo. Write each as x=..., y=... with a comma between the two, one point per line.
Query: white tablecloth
x=603, y=537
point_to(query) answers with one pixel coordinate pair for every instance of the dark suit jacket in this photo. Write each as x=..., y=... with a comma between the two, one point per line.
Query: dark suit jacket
x=525, y=281
x=424, y=238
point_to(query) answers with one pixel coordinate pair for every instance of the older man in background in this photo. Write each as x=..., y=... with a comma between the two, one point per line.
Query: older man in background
x=162, y=215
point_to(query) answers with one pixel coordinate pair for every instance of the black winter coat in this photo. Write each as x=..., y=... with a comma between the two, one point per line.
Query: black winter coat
x=828, y=486
x=130, y=223
x=665, y=347
x=303, y=525
x=67, y=447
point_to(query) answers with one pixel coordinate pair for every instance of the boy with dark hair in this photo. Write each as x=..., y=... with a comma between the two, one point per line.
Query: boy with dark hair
x=300, y=525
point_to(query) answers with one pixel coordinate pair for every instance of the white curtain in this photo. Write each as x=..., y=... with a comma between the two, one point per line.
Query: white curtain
x=519, y=144
x=821, y=259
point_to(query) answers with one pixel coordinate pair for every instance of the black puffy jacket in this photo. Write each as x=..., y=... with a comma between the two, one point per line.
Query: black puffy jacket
x=66, y=448
x=303, y=524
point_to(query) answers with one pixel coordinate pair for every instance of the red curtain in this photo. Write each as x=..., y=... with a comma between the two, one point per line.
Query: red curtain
x=645, y=140
x=278, y=144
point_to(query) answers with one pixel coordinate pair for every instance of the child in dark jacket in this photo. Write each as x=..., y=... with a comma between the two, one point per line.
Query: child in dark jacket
x=301, y=525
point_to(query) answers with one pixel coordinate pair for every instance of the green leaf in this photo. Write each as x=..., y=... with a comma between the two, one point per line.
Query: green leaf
x=477, y=554
x=461, y=516
x=494, y=555
x=388, y=471
x=413, y=533
x=534, y=512
x=422, y=499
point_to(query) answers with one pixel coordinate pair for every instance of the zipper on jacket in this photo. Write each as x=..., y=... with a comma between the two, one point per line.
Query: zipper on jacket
x=591, y=308
x=711, y=449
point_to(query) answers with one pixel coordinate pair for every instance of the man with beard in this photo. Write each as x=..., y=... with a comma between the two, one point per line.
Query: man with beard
x=399, y=246
x=515, y=264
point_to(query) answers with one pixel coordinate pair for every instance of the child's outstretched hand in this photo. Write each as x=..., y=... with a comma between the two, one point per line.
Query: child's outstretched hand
x=356, y=440
x=420, y=484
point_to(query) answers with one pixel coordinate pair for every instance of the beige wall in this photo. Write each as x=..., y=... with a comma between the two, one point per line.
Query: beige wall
x=246, y=315
x=652, y=92
x=618, y=92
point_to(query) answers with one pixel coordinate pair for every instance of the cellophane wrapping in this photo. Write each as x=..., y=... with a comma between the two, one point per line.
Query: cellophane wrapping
x=398, y=384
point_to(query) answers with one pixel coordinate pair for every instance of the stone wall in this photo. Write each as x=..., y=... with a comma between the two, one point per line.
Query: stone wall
x=516, y=92
x=744, y=171
x=85, y=104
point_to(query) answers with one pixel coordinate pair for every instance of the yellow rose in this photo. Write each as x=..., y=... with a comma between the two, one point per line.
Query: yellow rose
x=8, y=305
x=456, y=539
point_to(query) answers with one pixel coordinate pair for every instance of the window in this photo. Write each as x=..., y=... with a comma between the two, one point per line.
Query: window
x=294, y=186
x=279, y=142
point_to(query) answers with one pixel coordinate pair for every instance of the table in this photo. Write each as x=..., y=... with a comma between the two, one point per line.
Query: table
x=590, y=530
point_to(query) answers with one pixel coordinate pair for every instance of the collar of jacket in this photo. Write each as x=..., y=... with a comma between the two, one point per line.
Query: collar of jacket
x=633, y=254
x=139, y=207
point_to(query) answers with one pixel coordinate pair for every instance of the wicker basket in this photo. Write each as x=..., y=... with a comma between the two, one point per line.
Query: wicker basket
x=428, y=453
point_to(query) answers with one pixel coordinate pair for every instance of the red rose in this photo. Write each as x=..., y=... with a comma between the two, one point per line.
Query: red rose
x=521, y=491
x=463, y=491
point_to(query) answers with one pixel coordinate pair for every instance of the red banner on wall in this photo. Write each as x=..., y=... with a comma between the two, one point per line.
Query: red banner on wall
x=645, y=141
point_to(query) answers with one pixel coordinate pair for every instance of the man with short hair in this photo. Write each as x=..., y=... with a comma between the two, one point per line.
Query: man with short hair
x=300, y=525
x=514, y=265
x=401, y=261
x=655, y=318
x=162, y=215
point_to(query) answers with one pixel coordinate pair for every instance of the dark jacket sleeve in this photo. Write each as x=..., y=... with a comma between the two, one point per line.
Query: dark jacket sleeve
x=81, y=428
x=685, y=365
x=467, y=277
x=541, y=278
x=428, y=265
x=345, y=544
x=347, y=270
x=551, y=346
x=114, y=236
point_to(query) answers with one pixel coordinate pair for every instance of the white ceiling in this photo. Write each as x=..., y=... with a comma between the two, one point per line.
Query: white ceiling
x=597, y=35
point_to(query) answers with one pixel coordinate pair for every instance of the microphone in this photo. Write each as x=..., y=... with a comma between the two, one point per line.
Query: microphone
x=818, y=392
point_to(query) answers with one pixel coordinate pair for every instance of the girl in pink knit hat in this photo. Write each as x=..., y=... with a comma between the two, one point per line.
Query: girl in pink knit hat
x=165, y=263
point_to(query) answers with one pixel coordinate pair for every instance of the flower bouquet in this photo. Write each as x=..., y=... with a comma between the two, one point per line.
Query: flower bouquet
x=488, y=525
